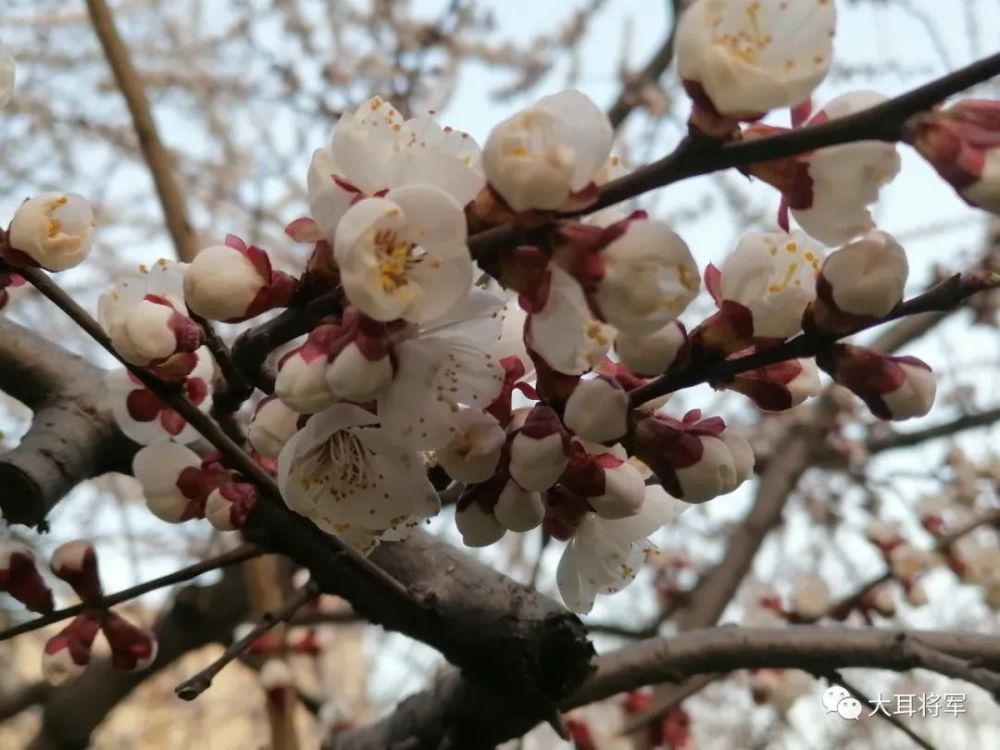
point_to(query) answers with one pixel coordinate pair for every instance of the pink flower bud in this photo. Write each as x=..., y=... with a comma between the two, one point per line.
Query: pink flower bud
x=611, y=485
x=858, y=283
x=20, y=578
x=66, y=655
x=272, y=426
x=883, y=534
x=233, y=282
x=881, y=600
x=810, y=597
x=894, y=388
x=538, y=452
x=908, y=562
x=963, y=144
x=517, y=509
x=655, y=353
x=691, y=459
x=301, y=383
x=76, y=563
x=276, y=679
x=153, y=330
x=228, y=506
x=52, y=230
x=780, y=386
x=597, y=410
x=473, y=452
x=132, y=648
x=916, y=594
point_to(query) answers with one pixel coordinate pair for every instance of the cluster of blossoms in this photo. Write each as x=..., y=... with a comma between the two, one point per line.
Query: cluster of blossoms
x=67, y=654
x=520, y=391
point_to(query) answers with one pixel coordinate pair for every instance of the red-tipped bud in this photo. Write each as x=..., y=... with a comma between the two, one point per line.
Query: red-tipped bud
x=228, y=506
x=132, y=648
x=67, y=654
x=538, y=451
x=894, y=388
x=778, y=387
x=597, y=410
x=76, y=563
x=20, y=578
x=612, y=486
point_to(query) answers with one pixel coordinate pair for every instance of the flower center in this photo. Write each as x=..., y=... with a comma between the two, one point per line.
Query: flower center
x=394, y=257
x=339, y=464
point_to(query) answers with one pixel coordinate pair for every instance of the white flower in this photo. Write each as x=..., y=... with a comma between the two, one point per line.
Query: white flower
x=650, y=277
x=272, y=426
x=145, y=419
x=301, y=383
x=539, y=157
x=844, y=180
x=7, y=76
x=810, y=597
x=518, y=509
x=653, y=353
x=563, y=331
x=752, y=56
x=169, y=475
x=774, y=277
x=867, y=276
x=145, y=317
x=511, y=341
x=374, y=150
x=605, y=555
x=53, y=230
x=473, y=452
x=404, y=255
x=477, y=527
x=597, y=410
x=908, y=562
x=443, y=367
x=344, y=473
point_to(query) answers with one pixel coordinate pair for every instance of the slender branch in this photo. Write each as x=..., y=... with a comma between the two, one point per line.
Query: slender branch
x=907, y=439
x=202, y=681
x=233, y=557
x=158, y=159
x=952, y=666
x=813, y=648
x=836, y=679
x=698, y=157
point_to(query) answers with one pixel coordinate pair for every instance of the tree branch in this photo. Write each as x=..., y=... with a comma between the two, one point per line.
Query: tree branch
x=916, y=437
x=158, y=159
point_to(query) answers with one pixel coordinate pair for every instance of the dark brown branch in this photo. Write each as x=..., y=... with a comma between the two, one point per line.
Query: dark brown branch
x=159, y=160
x=952, y=666
x=199, y=683
x=916, y=437
x=22, y=699
x=226, y=559
x=945, y=296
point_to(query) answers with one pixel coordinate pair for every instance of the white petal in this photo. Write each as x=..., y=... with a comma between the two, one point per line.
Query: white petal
x=564, y=332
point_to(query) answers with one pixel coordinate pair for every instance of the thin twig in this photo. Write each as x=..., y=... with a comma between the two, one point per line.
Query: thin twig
x=835, y=679
x=951, y=666
x=233, y=557
x=199, y=683
x=158, y=159
x=907, y=439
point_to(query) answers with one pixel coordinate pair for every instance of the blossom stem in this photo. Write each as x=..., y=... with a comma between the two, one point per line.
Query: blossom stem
x=233, y=557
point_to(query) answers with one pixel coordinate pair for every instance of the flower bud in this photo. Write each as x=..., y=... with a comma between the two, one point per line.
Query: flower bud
x=916, y=594
x=894, y=388
x=171, y=479
x=542, y=155
x=479, y=528
x=301, y=383
x=473, y=452
x=859, y=282
x=20, y=578
x=654, y=353
x=228, y=506
x=517, y=509
x=963, y=144
x=612, y=486
x=907, y=562
x=597, y=410
x=778, y=387
x=233, y=282
x=538, y=450
x=881, y=600
x=743, y=458
x=883, y=534
x=272, y=426
x=53, y=230
x=810, y=597
x=76, y=563
x=67, y=654
x=361, y=368
x=132, y=648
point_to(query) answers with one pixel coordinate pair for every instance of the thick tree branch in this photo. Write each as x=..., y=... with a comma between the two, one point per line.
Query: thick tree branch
x=159, y=160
